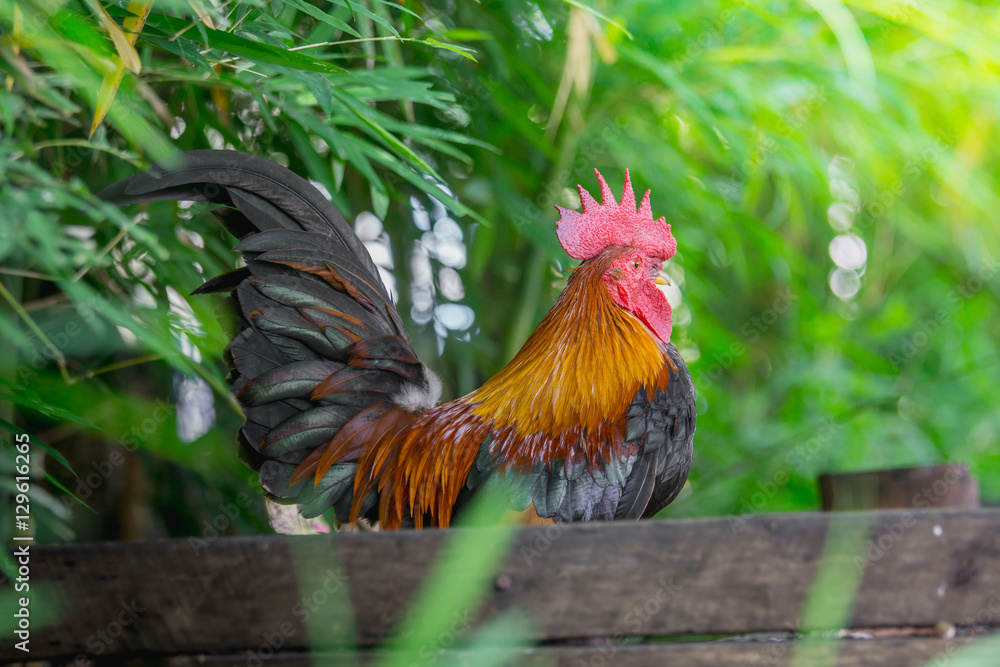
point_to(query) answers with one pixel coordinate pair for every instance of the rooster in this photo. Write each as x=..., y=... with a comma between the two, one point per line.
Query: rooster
x=593, y=419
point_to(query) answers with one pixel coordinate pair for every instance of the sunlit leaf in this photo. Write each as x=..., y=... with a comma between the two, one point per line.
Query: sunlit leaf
x=123, y=45
x=128, y=58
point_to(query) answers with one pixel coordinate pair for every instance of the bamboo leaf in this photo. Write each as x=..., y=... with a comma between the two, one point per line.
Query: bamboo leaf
x=139, y=10
x=311, y=10
x=367, y=13
x=105, y=96
x=35, y=442
x=184, y=48
x=124, y=47
x=384, y=134
x=59, y=485
x=393, y=163
x=127, y=56
x=19, y=397
x=254, y=51
x=463, y=51
x=396, y=5
x=200, y=12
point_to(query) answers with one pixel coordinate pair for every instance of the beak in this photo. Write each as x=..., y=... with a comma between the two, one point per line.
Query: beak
x=665, y=285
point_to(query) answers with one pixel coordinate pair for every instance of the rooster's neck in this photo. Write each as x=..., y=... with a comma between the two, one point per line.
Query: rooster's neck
x=575, y=376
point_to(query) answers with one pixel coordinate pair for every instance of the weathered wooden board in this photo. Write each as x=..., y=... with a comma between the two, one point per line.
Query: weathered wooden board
x=943, y=485
x=654, y=578
x=874, y=653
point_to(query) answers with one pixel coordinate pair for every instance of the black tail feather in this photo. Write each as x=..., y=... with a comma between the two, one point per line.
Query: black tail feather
x=308, y=298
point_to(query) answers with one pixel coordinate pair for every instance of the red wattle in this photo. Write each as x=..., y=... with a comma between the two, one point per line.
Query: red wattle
x=652, y=307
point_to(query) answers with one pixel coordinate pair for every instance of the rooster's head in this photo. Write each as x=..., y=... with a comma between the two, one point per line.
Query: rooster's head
x=629, y=244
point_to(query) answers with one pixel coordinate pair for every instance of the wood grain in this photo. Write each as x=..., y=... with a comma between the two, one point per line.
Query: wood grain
x=657, y=578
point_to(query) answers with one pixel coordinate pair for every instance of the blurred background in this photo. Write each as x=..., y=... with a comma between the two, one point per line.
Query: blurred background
x=830, y=170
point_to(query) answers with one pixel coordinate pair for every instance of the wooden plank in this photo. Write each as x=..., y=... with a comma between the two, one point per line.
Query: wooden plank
x=850, y=653
x=944, y=485
x=621, y=579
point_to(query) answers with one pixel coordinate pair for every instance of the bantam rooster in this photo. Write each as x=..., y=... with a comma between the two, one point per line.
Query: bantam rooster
x=593, y=419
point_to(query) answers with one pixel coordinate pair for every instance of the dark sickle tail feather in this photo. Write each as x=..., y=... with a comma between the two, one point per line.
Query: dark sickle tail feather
x=321, y=347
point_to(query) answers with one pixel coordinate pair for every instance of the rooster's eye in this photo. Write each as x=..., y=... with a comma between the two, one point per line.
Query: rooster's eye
x=636, y=264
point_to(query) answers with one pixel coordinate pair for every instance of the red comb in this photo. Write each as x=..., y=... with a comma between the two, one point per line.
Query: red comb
x=585, y=234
